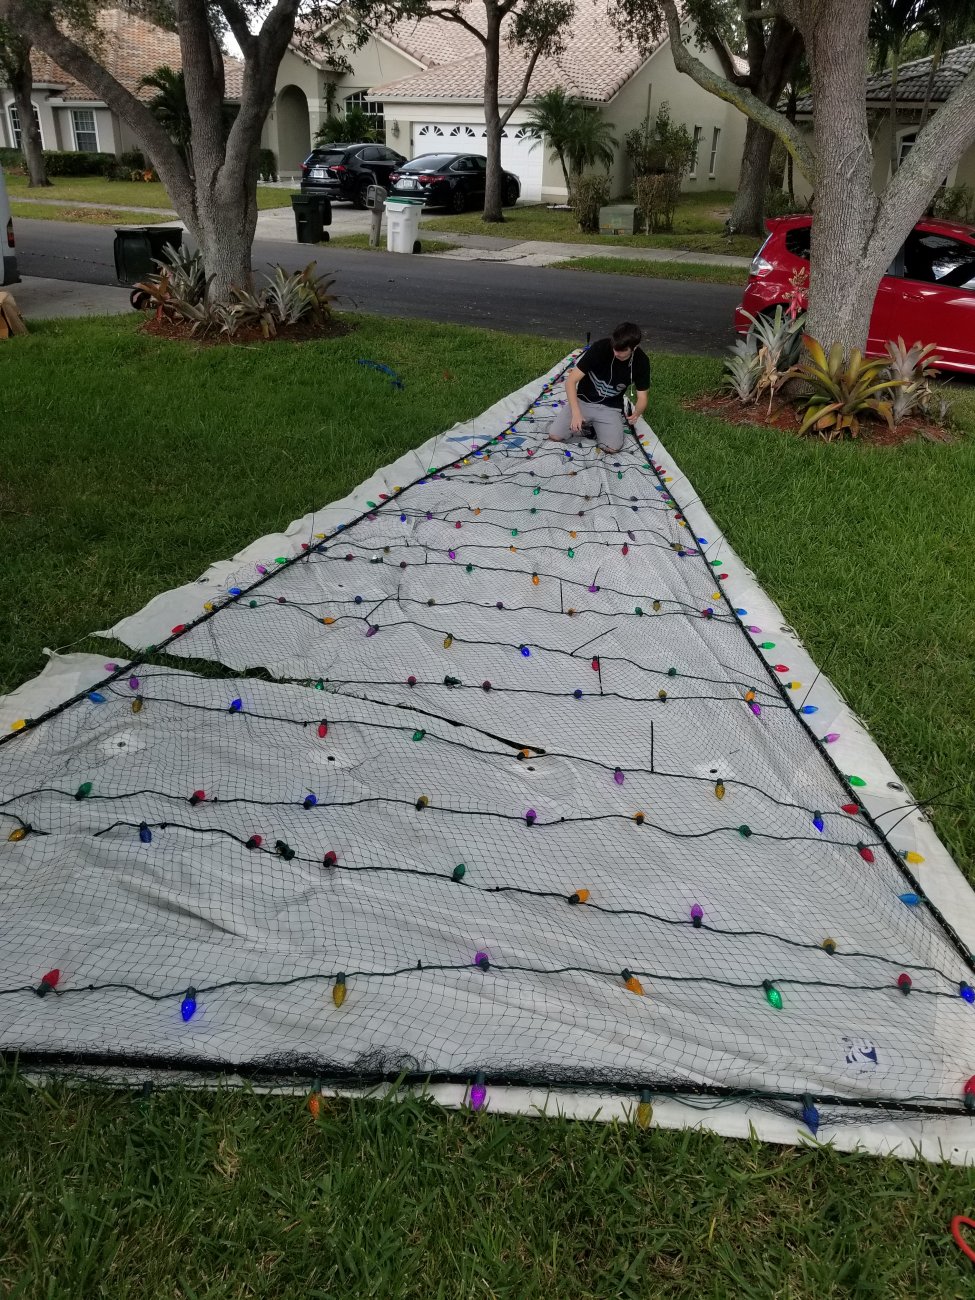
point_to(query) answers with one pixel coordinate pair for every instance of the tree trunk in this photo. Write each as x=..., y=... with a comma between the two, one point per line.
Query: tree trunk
x=844, y=258
x=492, y=115
x=22, y=85
x=748, y=210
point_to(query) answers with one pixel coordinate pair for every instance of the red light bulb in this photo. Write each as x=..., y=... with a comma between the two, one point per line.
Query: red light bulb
x=595, y=663
x=254, y=842
x=198, y=796
x=851, y=808
x=904, y=983
x=323, y=728
x=48, y=982
x=865, y=853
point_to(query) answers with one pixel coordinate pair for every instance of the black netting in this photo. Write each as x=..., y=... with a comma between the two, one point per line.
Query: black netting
x=521, y=666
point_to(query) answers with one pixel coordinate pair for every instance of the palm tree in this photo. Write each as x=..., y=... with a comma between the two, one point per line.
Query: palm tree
x=551, y=120
x=892, y=23
x=945, y=23
x=169, y=107
x=589, y=141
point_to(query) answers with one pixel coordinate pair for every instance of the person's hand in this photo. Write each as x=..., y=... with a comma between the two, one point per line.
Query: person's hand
x=575, y=424
x=631, y=419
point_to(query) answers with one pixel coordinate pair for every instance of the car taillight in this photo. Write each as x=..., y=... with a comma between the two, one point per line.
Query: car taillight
x=394, y=177
x=338, y=168
x=760, y=265
x=427, y=180
x=10, y=232
x=304, y=167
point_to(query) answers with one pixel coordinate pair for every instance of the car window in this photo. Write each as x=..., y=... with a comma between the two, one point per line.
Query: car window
x=797, y=241
x=371, y=155
x=431, y=162
x=327, y=157
x=463, y=165
x=390, y=156
x=939, y=259
x=480, y=164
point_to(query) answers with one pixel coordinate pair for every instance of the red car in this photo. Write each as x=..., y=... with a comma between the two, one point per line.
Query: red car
x=927, y=295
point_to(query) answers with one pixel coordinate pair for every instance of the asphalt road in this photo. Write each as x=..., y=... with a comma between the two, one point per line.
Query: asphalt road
x=677, y=316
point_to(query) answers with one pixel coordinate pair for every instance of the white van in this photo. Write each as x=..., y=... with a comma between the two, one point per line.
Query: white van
x=8, y=257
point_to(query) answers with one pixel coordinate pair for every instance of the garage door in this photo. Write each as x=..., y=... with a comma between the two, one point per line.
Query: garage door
x=517, y=152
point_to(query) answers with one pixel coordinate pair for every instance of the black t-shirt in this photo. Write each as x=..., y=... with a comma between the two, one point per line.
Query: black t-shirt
x=607, y=378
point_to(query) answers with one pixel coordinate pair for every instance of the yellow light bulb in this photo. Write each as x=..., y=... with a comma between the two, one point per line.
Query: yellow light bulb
x=644, y=1111
x=208, y=607
x=631, y=982
x=448, y=641
x=17, y=834
x=19, y=725
x=913, y=858
x=328, y=621
x=137, y=704
x=338, y=989
x=749, y=696
x=719, y=789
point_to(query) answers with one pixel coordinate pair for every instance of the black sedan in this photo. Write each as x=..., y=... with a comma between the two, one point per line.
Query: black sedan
x=450, y=180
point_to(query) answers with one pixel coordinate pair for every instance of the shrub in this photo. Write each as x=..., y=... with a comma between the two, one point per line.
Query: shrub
x=779, y=204
x=11, y=160
x=74, y=163
x=763, y=360
x=913, y=367
x=953, y=203
x=648, y=193
x=843, y=390
x=663, y=147
x=589, y=194
x=132, y=160
x=267, y=165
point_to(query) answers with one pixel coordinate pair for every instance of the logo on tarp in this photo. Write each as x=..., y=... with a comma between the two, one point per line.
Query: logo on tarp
x=860, y=1051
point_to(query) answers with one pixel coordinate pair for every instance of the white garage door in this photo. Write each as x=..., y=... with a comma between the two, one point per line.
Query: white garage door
x=517, y=153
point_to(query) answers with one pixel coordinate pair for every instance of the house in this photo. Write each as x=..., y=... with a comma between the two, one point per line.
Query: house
x=71, y=116
x=913, y=82
x=422, y=82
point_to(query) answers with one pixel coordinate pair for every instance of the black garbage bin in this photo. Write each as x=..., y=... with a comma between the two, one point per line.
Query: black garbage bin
x=312, y=215
x=136, y=247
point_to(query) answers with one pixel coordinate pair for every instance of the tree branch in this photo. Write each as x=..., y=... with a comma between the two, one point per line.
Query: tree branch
x=506, y=117
x=453, y=16
x=238, y=24
x=749, y=103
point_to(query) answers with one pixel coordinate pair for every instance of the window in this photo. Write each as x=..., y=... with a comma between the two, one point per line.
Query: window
x=371, y=155
x=797, y=241
x=698, y=132
x=85, y=135
x=15, y=124
x=463, y=165
x=938, y=259
x=715, y=137
x=372, y=108
x=905, y=146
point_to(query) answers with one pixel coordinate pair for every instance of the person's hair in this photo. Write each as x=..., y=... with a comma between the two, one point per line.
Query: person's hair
x=626, y=335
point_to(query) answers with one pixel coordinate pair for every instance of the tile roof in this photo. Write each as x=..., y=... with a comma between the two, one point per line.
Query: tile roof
x=594, y=64
x=912, y=80
x=131, y=48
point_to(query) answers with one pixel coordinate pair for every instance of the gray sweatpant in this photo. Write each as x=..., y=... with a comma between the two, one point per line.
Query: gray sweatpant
x=607, y=422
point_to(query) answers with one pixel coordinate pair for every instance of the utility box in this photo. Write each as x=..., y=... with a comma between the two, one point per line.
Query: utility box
x=619, y=219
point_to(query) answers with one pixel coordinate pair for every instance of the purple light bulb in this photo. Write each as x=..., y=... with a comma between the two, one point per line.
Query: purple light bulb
x=697, y=915
x=372, y=629
x=133, y=683
x=530, y=816
x=452, y=555
x=756, y=709
x=831, y=737
x=260, y=568
x=593, y=587
x=618, y=777
x=482, y=960
x=478, y=1093
x=753, y=628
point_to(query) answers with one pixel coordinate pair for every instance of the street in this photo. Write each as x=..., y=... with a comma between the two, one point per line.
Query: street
x=676, y=316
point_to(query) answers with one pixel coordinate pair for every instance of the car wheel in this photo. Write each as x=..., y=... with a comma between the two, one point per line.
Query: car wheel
x=458, y=201
x=510, y=196
x=359, y=195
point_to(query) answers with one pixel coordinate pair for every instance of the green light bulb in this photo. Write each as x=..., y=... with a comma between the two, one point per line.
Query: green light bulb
x=571, y=553
x=418, y=734
x=458, y=872
x=772, y=995
x=856, y=780
x=84, y=790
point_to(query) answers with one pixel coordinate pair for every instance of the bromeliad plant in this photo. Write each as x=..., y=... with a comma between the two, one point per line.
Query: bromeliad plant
x=915, y=367
x=842, y=390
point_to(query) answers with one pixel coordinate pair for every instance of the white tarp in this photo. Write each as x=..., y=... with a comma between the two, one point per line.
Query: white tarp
x=261, y=938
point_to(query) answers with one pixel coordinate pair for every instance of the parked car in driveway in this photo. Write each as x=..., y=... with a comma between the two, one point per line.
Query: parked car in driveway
x=451, y=180
x=8, y=256
x=927, y=295
x=345, y=171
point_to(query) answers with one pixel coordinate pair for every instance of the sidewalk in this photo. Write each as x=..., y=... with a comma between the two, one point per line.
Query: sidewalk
x=41, y=299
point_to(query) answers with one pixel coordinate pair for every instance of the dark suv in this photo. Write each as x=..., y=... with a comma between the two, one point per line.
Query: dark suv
x=344, y=171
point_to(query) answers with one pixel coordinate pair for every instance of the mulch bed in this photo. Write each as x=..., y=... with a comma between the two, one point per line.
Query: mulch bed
x=726, y=406
x=303, y=332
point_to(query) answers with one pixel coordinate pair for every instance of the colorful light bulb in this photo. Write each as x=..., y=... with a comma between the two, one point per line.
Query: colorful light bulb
x=315, y=1103
x=479, y=1088
x=17, y=834
x=966, y=991
x=187, y=1008
x=83, y=790
x=284, y=850
x=309, y=801
x=697, y=916
x=421, y=803
x=856, y=781
x=618, y=776
x=865, y=853
x=411, y=681
x=829, y=945
x=525, y=651
x=772, y=995
x=756, y=709
x=656, y=606
x=904, y=983
x=254, y=842
x=662, y=696
x=448, y=641
x=236, y=706
x=810, y=1115
x=339, y=988
x=910, y=899
x=644, y=1110
x=323, y=729
x=137, y=704
x=818, y=821
x=831, y=737
x=535, y=579
x=580, y=896
x=198, y=796
x=48, y=982
x=851, y=808
x=531, y=817
x=330, y=858
x=915, y=859
x=719, y=790
x=595, y=663
x=482, y=961
x=145, y=834
x=631, y=982
x=133, y=683
x=372, y=629
x=459, y=872
x=969, y=1094
x=639, y=818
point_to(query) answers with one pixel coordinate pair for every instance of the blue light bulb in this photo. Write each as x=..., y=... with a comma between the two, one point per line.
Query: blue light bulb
x=234, y=591
x=525, y=651
x=310, y=800
x=145, y=834
x=910, y=900
x=818, y=822
x=236, y=706
x=809, y=708
x=577, y=693
x=187, y=1008
x=96, y=697
x=966, y=991
x=810, y=1115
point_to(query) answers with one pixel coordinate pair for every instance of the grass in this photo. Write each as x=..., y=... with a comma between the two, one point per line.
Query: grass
x=107, y=500
x=700, y=272
x=697, y=228
x=90, y=216
x=361, y=240
x=139, y=194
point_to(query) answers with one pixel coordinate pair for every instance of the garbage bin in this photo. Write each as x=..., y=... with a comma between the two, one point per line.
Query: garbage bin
x=312, y=214
x=137, y=248
x=402, y=225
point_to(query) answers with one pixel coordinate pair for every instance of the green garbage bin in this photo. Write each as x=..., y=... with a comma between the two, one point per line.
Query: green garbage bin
x=137, y=248
x=312, y=214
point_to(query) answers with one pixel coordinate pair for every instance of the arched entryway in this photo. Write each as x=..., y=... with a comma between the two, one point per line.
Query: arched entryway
x=294, y=131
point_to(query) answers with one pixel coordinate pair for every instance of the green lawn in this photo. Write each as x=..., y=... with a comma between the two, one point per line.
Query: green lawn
x=107, y=500
x=140, y=194
x=362, y=241
x=698, y=227
x=698, y=271
x=90, y=216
